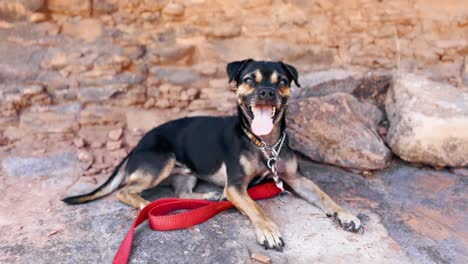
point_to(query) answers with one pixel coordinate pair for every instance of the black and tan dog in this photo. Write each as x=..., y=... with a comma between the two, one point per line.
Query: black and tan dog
x=225, y=151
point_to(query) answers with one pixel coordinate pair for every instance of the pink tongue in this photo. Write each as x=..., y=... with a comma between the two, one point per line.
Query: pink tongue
x=262, y=124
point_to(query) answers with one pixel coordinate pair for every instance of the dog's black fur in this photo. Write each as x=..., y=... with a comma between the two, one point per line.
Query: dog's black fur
x=217, y=149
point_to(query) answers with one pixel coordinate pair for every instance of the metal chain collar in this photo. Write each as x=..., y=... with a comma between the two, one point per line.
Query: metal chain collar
x=271, y=154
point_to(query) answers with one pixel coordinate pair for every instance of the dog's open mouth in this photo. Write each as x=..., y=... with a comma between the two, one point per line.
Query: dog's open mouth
x=262, y=122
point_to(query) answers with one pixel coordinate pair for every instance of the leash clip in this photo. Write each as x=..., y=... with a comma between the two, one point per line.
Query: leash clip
x=285, y=196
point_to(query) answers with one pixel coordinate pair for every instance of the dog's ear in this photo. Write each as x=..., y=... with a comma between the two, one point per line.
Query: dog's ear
x=234, y=68
x=292, y=73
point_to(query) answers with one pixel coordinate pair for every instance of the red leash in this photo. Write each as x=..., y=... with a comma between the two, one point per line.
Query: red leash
x=199, y=212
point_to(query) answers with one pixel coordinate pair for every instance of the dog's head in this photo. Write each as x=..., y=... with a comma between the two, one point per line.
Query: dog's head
x=263, y=89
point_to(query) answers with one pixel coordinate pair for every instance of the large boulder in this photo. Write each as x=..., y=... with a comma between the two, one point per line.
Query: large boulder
x=371, y=87
x=339, y=130
x=428, y=121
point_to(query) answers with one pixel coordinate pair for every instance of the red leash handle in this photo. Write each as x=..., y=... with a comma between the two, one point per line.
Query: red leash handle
x=198, y=212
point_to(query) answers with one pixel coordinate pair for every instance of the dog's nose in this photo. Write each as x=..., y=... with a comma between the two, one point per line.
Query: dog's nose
x=266, y=93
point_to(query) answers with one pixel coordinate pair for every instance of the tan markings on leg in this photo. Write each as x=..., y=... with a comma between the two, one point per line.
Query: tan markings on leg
x=140, y=181
x=250, y=167
x=219, y=177
x=274, y=77
x=137, y=182
x=266, y=230
x=309, y=191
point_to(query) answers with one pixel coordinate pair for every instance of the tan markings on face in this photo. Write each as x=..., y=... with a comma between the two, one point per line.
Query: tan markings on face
x=285, y=91
x=258, y=76
x=274, y=77
x=244, y=89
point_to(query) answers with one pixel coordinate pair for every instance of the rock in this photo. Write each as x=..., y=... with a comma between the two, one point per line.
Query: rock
x=224, y=31
x=460, y=171
x=149, y=103
x=115, y=134
x=55, y=60
x=96, y=144
x=371, y=86
x=53, y=119
x=70, y=7
x=100, y=93
x=145, y=120
x=174, y=9
x=206, y=68
x=15, y=10
x=17, y=97
x=79, y=142
x=101, y=7
x=114, y=145
x=101, y=115
x=32, y=5
x=339, y=130
x=136, y=95
x=465, y=74
x=175, y=75
x=86, y=29
x=50, y=166
x=92, y=172
x=99, y=156
x=85, y=156
x=6, y=25
x=37, y=17
x=161, y=54
x=392, y=235
x=154, y=5
x=13, y=67
x=134, y=52
x=118, y=80
x=261, y=258
x=428, y=121
x=118, y=154
x=96, y=133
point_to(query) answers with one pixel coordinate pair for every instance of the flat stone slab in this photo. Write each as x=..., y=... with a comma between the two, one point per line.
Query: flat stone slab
x=411, y=215
x=53, y=165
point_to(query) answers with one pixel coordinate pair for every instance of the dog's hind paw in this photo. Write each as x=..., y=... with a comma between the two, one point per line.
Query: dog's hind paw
x=214, y=196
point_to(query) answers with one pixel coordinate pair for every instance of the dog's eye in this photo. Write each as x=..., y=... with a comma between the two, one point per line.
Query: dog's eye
x=283, y=82
x=249, y=81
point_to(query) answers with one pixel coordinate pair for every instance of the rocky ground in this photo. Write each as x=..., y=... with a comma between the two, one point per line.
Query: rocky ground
x=411, y=214
x=82, y=80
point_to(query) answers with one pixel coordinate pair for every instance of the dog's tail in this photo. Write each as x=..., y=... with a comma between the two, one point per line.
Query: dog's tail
x=111, y=184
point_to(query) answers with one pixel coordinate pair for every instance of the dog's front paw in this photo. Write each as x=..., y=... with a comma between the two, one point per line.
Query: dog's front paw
x=348, y=221
x=269, y=236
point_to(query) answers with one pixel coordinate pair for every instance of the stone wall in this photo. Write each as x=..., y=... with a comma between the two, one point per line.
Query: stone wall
x=69, y=64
